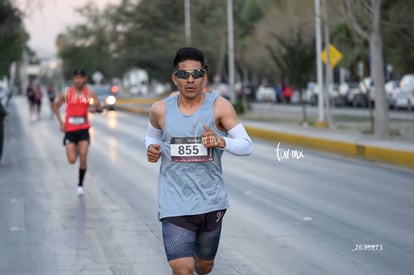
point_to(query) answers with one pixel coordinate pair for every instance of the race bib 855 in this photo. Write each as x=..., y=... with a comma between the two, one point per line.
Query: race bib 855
x=189, y=149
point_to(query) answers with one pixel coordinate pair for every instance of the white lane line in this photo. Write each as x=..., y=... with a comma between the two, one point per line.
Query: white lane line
x=16, y=215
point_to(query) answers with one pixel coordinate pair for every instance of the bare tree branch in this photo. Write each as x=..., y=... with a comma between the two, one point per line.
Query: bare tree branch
x=354, y=22
x=27, y=7
x=367, y=8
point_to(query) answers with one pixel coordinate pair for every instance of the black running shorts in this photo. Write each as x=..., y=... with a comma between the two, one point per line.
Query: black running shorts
x=197, y=235
x=76, y=136
x=203, y=222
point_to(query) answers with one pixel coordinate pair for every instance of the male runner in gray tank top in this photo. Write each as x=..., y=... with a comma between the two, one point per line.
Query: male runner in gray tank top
x=189, y=132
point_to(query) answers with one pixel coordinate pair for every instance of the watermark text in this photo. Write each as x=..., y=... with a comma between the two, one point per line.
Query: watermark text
x=287, y=153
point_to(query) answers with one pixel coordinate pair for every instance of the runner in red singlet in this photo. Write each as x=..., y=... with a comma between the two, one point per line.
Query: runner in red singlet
x=76, y=124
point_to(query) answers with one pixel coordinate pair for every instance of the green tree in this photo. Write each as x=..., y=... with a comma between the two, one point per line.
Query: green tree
x=356, y=49
x=87, y=45
x=147, y=34
x=296, y=62
x=398, y=34
x=13, y=36
x=283, y=19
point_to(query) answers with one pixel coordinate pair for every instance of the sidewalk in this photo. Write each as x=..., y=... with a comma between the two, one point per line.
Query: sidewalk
x=344, y=142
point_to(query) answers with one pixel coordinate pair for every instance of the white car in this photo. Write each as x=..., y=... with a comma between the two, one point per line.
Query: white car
x=266, y=94
x=345, y=91
x=312, y=93
x=392, y=88
x=403, y=100
x=403, y=97
x=221, y=89
x=359, y=97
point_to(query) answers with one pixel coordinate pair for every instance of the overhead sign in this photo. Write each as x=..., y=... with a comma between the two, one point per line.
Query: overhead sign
x=334, y=55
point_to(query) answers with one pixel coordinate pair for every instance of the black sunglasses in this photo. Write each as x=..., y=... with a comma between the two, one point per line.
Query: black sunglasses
x=184, y=74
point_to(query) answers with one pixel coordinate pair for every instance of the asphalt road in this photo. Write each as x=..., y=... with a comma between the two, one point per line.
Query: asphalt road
x=298, y=213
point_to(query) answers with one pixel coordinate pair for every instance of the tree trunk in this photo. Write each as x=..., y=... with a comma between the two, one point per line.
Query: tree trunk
x=244, y=86
x=220, y=59
x=303, y=102
x=381, y=129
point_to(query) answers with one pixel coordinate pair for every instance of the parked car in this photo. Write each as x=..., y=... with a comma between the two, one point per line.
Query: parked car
x=265, y=93
x=221, y=89
x=249, y=89
x=106, y=95
x=403, y=100
x=403, y=97
x=359, y=97
x=391, y=89
x=312, y=93
x=309, y=91
x=344, y=90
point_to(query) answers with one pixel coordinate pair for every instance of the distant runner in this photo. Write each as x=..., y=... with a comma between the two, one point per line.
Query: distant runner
x=51, y=94
x=76, y=124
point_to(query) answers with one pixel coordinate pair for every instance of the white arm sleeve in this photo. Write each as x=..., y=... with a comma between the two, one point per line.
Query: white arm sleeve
x=238, y=142
x=153, y=136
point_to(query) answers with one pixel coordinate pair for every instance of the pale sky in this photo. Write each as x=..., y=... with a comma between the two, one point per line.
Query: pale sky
x=50, y=18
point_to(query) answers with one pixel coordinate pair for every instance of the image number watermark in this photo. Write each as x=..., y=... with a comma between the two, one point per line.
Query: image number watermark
x=288, y=153
x=368, y=247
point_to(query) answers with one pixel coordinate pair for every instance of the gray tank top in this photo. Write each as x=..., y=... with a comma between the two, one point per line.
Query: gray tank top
x=190, y=180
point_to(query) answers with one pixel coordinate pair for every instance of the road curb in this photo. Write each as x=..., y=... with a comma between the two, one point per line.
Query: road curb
x=349, y=149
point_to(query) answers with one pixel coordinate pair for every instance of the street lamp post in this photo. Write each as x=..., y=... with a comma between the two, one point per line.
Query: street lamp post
x=230, y=38
x=187, y=16
x=319, y=61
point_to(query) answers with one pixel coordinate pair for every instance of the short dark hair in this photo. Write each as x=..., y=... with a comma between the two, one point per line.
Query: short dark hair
x=79, y=71
x=188, y=53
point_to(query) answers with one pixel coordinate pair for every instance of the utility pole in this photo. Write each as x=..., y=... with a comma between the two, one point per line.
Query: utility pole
x=187, y=15
x=230, y=38
x=321, y=115
x=328, y=72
